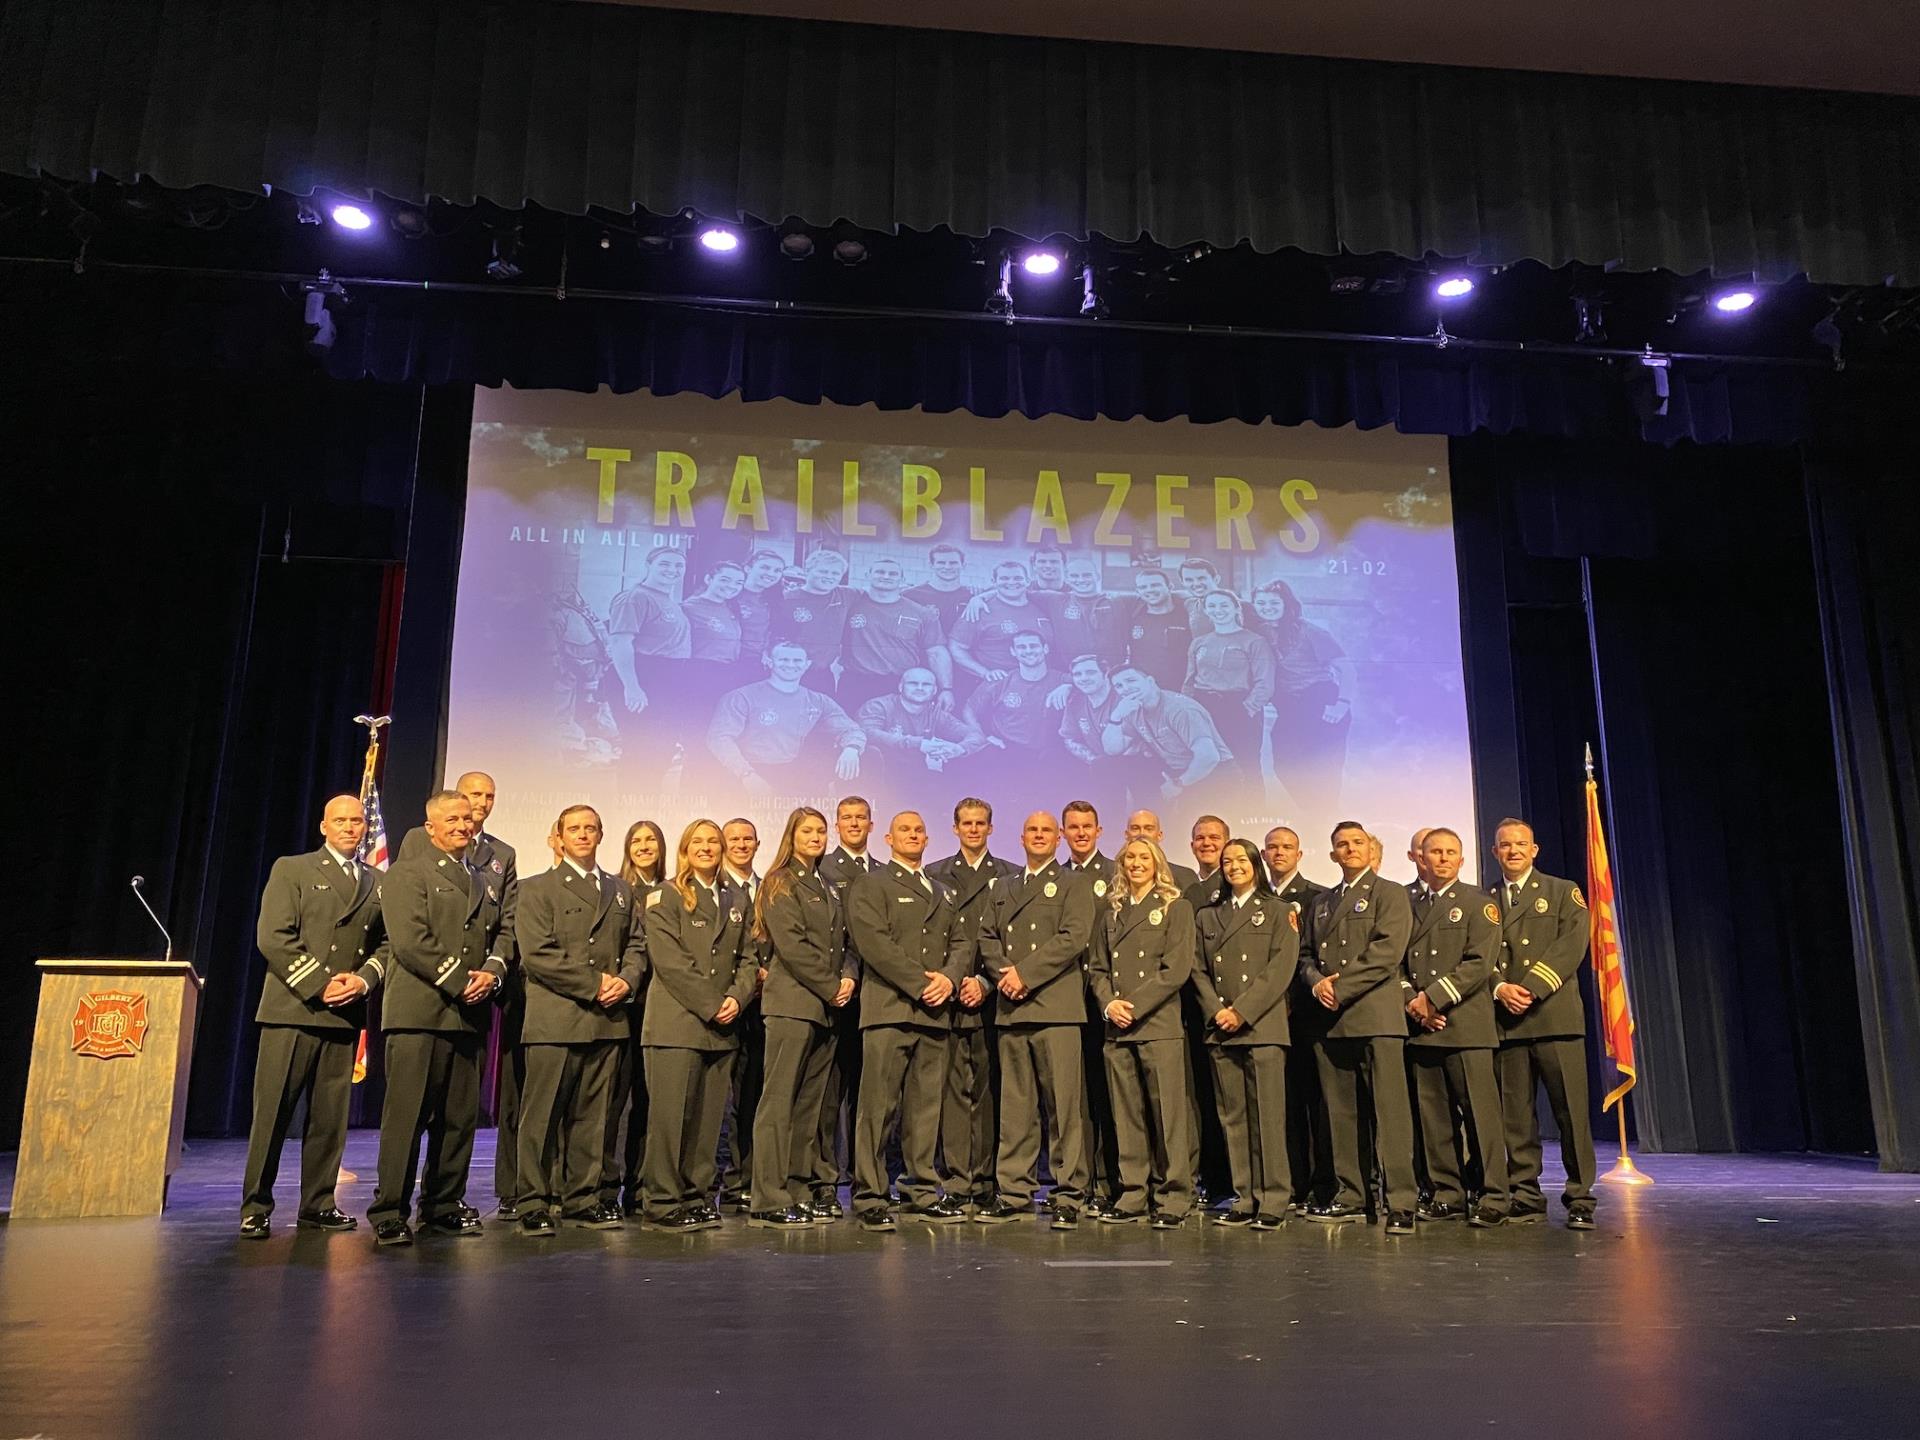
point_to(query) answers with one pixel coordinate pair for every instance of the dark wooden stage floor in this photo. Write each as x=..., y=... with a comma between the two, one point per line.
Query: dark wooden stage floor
x=1742, y=1297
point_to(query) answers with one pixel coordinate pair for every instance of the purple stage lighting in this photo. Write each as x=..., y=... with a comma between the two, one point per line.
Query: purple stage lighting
x=720, y=241
x=1454, y=287
x=1041, y=262
x=1732, y=302
x=351, y=217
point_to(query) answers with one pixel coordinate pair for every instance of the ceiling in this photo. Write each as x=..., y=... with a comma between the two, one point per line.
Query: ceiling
x=1871, y=45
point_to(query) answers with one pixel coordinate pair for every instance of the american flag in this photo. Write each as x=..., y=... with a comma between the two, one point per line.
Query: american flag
x=373, y=851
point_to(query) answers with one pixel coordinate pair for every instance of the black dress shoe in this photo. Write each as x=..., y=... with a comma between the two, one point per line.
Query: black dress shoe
x=980, y=1200
x=392, y=1232
x=735, y=1200
x=705, y=1217
x=1232, y=1218
x=944, y=1211
x=1525, y=1216
x=1580, y=1218
x=1096, y=1207
x=466, y=1212
x=825, y=1205
x=255, y=1227
x=1484, y=1219
x=1334, y=1214
x=1400, y=1222
x=1065, y=1219
x=1164, y=1221
x=454, y=1223
x=1121, y=1217
x=681, y=1222
x=1001, y=1212
x=791, y=1218
x=1264, y=1222
x=878, y=1221
x=507, y=1210
x=337, y=1221
x=1438, y=1210
x=595, y=1217
x=537, y=1225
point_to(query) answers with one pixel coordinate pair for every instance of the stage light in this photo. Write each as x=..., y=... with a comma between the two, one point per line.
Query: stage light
x=720, y=240
x=796, y=245
x=1000, y=302
x=850, y=251
x=1041, y=263
x=1454, y=287
x=409, y=222
x=351, y=217
x=1092, y=307
x=1733, y=302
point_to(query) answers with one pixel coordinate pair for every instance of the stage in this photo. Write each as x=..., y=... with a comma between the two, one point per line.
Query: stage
x=1741, y=1295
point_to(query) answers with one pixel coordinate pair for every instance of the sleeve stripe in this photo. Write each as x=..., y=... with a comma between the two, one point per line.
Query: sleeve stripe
x=1547, y=971
x=376, y=967
x=302, y=970
x=1452, y=989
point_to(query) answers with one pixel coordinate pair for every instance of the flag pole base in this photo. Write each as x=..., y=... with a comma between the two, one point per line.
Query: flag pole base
x=1625, y=1172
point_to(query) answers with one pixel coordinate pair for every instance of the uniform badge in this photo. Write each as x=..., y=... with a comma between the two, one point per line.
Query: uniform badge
x=803, y=615
x=493, y=895
x=653, y=898
x=1453, y=916
x=1072, y=612
x=1578, y=898
x=1359, y=907
x=1492, y=912
x=1154, y=917
x=320, y=885
x=620, y=899
x=497, y=868
x=858, y=622
x=1139, y=632
x=733, y=915
x=1259, y=917
x=1100, y=887
x=1293, y=918
x=1540, y=905
x=1011, y=700
x=769, y=717
x=1051, y=890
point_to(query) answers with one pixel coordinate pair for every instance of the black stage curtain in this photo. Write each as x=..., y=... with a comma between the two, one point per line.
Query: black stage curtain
x=580, y=105
x=1866, y=532
x=1688, y=573
x=992, y=369
x=182, y=695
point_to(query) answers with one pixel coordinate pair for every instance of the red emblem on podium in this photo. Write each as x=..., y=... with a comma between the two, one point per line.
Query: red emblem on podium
x=109, y=1024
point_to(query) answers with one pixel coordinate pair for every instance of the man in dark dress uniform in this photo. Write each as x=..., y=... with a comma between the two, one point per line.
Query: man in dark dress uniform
x=967, y=1115
x=584, y=953
x=1309, y=1149
x=1543, y=1025
x=495, y=861
x=913, y=955
x=319, y=930
x=1449, y=997
x=840, y=867
x=1080, y=825
x=1034, y=933
x=739, y=889
x=443, y=925
x=1360, y=930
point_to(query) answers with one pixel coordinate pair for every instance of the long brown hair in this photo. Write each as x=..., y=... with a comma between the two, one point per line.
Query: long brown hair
x=779, y=876
x=629, y=872
x=1164, y=886
x=682, y=869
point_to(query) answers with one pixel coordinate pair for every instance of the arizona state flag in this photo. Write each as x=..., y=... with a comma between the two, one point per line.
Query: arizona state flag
x=1616, y=1015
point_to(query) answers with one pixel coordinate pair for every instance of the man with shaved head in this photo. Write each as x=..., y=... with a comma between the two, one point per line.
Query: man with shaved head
x=1309, y=1146
x=1145, y=825
x=913, y=955
x=320, y=931
x=1033, y=934
x=494, y=859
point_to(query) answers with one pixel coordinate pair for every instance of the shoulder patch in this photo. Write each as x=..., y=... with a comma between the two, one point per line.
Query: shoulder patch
x=1578, y=898
x=653, y=898
x=1293, y=917
x=1492, y=912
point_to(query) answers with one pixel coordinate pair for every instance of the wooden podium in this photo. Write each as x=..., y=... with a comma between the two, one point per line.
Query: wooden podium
x=107, y=1091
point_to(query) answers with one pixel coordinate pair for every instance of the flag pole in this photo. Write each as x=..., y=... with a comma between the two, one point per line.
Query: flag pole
x=374, y=724
x=1600, y=883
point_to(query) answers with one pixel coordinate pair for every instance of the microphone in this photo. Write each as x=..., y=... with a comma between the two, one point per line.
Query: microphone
x=139, y=895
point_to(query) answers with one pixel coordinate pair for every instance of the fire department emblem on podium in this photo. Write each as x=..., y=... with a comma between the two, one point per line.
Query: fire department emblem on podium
x=109, y=1024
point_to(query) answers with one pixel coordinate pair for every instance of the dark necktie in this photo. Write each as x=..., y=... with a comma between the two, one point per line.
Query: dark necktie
x=1513, y=896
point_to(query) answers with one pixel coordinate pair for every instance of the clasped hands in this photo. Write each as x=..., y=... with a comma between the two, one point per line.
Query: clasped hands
x=1424, y=1015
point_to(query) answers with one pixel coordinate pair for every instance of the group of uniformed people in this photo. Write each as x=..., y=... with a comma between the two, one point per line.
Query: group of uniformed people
x=1232, y=1032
